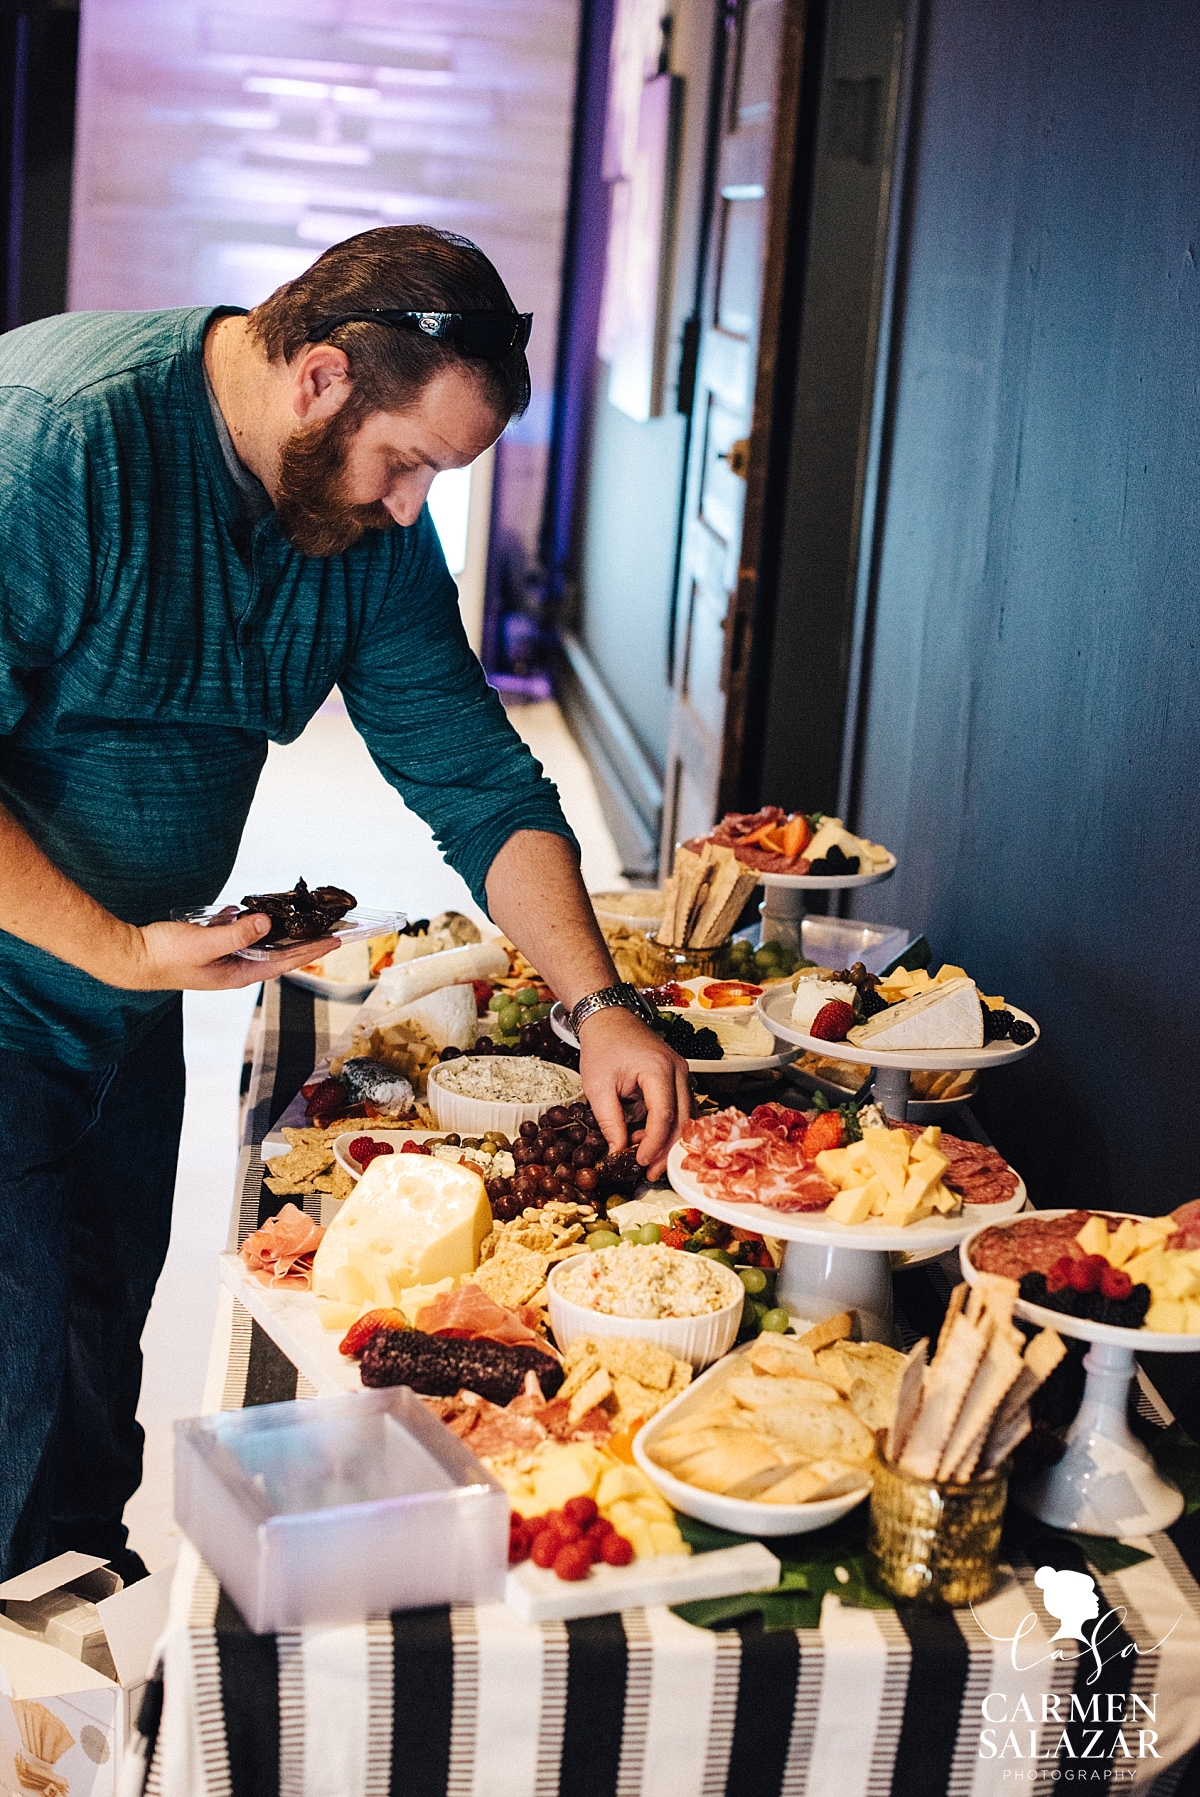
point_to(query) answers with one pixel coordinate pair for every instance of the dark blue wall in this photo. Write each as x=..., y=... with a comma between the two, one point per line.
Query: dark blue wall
x=1031, y=743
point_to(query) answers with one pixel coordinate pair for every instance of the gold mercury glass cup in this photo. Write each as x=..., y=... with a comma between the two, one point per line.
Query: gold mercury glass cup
x=687, y=963
x=938, y=1543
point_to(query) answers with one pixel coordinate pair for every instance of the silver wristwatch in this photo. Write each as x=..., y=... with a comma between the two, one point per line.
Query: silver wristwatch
x=624, y=996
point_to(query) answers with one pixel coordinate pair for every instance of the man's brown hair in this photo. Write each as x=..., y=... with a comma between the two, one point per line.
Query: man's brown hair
x=409, y=268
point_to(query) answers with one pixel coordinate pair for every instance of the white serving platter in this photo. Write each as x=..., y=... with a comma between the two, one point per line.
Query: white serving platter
x=936, y=1233
x=357, y=925
x=826, y=882
x=538, y=1595
x=729, y=1063
x=774, y=1008
x=742, y=1515
x=293, y=1322
x=1108, y=1335
x=344, y=992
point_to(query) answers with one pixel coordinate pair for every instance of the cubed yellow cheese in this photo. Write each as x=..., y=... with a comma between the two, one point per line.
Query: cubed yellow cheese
x=878, y=1194
x=1093, y=1237
x=1191, y=1322
x=666, y=1538
x=912, y=1204
x=337, y=1316
x=1147, y=1268
x=1167, y=1314
x=930, y=1137
x=853, y=1205
x=1123, y=1244
x=618, y=1482
x=833, y=1165
x=948, y=1202
x=923, y=1175
x=949, y=972
x=411, y=1220
x=887, y=1161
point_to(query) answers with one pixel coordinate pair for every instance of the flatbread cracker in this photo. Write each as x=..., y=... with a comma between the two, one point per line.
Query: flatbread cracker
x=513, y=1275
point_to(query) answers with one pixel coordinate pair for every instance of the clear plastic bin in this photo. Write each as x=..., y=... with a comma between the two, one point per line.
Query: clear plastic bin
x=329, y=1510
x=841, y=941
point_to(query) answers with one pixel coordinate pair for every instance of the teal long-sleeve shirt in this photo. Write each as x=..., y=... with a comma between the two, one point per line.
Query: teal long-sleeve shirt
x=153, y=641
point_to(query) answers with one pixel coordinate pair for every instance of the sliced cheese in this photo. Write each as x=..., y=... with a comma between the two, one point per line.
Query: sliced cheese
x=946, y=1017
x=349, y=965
x=410, y=1220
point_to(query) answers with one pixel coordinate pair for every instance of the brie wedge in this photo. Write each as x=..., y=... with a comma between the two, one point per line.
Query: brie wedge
x=947, y=1016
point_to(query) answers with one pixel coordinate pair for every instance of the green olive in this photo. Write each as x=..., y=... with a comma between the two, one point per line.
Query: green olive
x=648, y=1234
x=471, y=1142
x=775, y=1322
x=717, y=1254
x=603, y=1238
x=753, y=1278
x=450, y=1141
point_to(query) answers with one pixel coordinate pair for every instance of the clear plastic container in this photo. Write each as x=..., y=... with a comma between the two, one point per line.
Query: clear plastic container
x=330, y=1510
x=841, y=941
x=356, y=926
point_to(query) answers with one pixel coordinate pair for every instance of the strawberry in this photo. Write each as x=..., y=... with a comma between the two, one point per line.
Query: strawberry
x=833, y=1022
x=675, y=1238
x=825, y=1131
x=360, y=1333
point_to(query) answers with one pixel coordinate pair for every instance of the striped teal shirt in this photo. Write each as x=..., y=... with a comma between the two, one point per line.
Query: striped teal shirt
x=153, y=641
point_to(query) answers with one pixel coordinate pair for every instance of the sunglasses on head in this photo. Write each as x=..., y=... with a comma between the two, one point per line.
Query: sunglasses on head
x=486, y=335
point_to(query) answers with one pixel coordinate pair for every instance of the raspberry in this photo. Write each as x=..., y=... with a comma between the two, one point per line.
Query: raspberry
x=573, y=1561
x=824, y=1131
x=569, y=1531
x=1059, y=1275
x=833, y=1022
x=364, y=1150
x=617, y=1551
x=581, y=1510
x=416, y=1148
x=1087, y=1273
x=360, y=1333
x=518, y=1540
x=546, y=1548
x=1115, y=1283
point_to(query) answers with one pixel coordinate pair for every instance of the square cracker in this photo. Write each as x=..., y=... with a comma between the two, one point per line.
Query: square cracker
x=513, y=1275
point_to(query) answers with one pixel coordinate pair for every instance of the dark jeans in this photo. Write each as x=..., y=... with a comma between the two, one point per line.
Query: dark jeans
x=87, y=1175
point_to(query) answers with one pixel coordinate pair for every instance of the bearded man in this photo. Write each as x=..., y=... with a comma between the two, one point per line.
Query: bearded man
x=209, y=518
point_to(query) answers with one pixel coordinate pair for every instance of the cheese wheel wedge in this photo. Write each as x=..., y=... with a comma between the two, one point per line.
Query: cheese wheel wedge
x=947, y=1016
x=411, y=1220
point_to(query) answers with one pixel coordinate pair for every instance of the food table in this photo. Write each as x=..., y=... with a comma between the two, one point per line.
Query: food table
x=860, y=1698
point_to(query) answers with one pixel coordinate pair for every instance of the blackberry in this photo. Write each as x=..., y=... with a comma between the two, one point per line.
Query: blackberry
x=1126, y=1313
x=870, y=1004
x=1021, y=1032
x=996, y=1024
x=835, y=862
x=680, y=1036
x=706, y=1047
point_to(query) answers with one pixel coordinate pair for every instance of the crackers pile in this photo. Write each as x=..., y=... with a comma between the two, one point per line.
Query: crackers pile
x=308, y=1166
x=966, y=1411
x=792, y=1422
x=516, y=1257
x=704, y=896
x=630, y=1380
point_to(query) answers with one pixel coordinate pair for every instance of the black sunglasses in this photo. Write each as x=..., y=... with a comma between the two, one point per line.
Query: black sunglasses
x=486, y=335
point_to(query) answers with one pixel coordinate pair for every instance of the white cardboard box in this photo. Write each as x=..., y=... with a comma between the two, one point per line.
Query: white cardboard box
x=53, y=1699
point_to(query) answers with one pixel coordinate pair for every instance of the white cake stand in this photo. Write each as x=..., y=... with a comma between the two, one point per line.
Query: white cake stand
x=783, y=907
x=730, y=1063
x=891, y=1082
x=827, y=1266
x=1106, y=1483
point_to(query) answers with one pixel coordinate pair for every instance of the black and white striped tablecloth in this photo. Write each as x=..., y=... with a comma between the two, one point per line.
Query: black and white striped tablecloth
x=476, y=1702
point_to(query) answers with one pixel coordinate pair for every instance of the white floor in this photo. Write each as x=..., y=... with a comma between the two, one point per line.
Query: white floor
x=322, y=790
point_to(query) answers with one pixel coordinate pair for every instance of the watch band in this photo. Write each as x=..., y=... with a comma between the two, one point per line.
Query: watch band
x=624, y=997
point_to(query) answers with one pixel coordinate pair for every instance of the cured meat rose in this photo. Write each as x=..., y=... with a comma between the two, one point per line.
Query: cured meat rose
x=1030, y=1245
x=469, y=1313
x=281, y=1252
x=754, y=1160
x=1187, y=1226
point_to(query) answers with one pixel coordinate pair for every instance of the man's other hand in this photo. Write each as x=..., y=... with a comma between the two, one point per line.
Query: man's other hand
x=190, y=957
x=620, y=1057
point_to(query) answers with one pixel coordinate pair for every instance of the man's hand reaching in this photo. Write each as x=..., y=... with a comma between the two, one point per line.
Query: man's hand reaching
x=620, y=1057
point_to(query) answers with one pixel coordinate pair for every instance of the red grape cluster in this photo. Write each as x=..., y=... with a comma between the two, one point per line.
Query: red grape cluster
x=556, y=1158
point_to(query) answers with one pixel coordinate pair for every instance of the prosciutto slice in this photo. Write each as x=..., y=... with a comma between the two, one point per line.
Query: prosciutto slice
x=281, y=1252
x=469, y=1313
x=732, y=831
x=755, y=1160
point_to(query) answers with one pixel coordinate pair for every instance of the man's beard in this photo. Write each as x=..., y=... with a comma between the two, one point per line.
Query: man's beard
x=312, y=513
